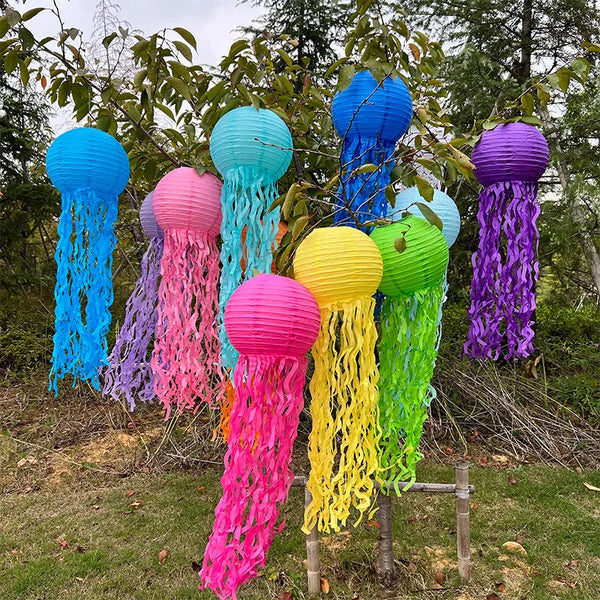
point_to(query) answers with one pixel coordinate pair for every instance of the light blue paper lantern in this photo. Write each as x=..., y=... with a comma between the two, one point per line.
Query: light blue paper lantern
x=442, y=205
x=90, y=169
x=251, y=149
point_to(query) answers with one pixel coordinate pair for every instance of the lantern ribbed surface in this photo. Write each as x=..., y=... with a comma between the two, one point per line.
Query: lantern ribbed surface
x=250, y=138
x=185, y=200
x=87, y=158
x=510, y=152
x=442, y=205
x=422, y=264
x=338, y=264
x=363, y=110
x=151, y=228
x=272, y=315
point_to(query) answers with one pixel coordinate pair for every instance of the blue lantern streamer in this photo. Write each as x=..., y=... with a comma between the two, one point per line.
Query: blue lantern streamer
x=90, y=169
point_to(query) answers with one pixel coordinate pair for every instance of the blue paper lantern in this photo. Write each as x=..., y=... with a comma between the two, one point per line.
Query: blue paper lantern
x=370, y=117
x=252, y=149
x=90, y=169
x=442, y=205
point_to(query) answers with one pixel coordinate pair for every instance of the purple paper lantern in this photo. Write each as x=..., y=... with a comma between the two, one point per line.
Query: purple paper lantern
x=129, y=374
x=509, y=160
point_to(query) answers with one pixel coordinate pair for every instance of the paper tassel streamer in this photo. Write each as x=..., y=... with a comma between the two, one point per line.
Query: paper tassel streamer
x=129, y=373
x=252, y=150
x=272, y=321
x=342, y=268
x=90, y=169
x=509, y=160
x=413, y=282
x=370, y=118
x=186, y=356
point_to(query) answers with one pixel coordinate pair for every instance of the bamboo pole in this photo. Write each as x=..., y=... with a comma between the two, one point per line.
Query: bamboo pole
x=463, y=532
x=386, y=569
x=313, y=566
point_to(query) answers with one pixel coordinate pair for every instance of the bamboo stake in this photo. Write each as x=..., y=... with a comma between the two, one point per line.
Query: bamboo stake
x=386, y=569
x=313, y=566
x=463, y=532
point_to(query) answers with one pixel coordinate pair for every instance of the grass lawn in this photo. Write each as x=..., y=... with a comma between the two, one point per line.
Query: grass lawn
x=95, y=539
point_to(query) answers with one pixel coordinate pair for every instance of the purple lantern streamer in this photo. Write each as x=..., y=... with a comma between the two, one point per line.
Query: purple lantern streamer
x=129, y=373
x=509, y=161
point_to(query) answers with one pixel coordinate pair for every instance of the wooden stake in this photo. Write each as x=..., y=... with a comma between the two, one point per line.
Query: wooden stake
x=313, y=566
x=463, y=531
x=386, y=569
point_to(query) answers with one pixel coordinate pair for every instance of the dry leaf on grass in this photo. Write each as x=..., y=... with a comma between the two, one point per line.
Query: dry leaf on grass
x=514, y=547
x=285, y=596
x=162, y=556
x=590, y=487
x=130, y=493
x=324, y=585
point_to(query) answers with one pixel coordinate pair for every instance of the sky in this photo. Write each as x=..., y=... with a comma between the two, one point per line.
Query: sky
x=213, y=22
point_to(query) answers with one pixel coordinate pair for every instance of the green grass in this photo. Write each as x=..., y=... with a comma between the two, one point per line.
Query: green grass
x=112, y=547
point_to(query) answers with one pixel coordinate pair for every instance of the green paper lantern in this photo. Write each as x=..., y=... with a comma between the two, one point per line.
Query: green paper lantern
x=421, y=265
x=415, y=259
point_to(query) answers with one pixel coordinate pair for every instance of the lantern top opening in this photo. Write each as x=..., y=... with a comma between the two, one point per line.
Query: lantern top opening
x=338, y=264
x=372, y=110
x=510, y=152
x=251, y=139
x=87, y=158
x=183, y=199
x=272, y=315
x=420, y=266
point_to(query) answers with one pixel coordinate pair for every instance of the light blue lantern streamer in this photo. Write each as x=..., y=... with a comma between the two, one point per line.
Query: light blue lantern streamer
x=252, y=150
x=370, y=118
x=90, y=169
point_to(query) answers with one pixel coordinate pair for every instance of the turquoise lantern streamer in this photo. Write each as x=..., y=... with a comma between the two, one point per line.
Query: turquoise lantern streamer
x=251, y=149
x=90, y=169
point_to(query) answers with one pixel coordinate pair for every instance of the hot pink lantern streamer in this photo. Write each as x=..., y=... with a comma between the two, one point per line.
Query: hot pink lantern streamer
x=271, y=321
x=186, y=357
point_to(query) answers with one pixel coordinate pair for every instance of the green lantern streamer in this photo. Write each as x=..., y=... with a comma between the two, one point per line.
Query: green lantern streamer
x=415, y=258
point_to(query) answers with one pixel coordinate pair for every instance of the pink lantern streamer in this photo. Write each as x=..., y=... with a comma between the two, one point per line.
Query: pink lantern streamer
x=272, y=322
x=186, y=357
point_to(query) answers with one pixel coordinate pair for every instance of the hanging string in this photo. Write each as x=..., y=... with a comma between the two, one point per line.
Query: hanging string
x=129, y=373
x=343, y=404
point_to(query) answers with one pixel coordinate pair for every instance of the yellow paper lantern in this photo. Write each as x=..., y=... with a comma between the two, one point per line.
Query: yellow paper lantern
x=342, y=267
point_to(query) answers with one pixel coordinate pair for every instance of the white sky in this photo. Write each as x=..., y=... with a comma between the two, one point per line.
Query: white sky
x=213, y=22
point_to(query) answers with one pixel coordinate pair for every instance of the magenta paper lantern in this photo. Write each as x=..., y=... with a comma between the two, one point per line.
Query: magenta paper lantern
x=272, y=322
x=509, y=160
x=186, y=358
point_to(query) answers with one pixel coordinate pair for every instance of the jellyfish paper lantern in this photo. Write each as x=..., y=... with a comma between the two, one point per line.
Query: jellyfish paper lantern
x=186, y=356
x=342, y=268
x=129, y=373
x=509, y=160
x=90, y=169
x=272, y=322
x=442, y=205
x=370, y=117
x=252, y=150
x=413, y=286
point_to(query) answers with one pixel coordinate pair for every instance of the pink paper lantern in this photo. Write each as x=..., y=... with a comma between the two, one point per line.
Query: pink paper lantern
x=272, y=322
x=186, y=357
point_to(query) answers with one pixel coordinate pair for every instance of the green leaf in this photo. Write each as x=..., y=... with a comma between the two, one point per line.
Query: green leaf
x=180, y=87
x=430, y=215
x=12, y=16
x=288, y=203
x=10, y=61
x=424, y=187
x=488, y=125
x=24, y=73
x=285, y=57
x=4, y=26
x=400, y=245
x=543, y=94
x=237, y=47
x=345, y=77
x=532, y=120
x=106, y=42
x=581, y=66
x=299, y=225
x=366, y=168
x=528, y=103
x=187, y=36
x=564, y=78
x=334, y=66
x=139, y=77
x=31, y=13
x=184, y=49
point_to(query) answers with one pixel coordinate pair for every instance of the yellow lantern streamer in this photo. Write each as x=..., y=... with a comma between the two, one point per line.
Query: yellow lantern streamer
x=342, y=267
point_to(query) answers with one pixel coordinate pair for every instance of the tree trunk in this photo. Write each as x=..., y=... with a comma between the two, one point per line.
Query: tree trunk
x=588, y=245
x=526, y=41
